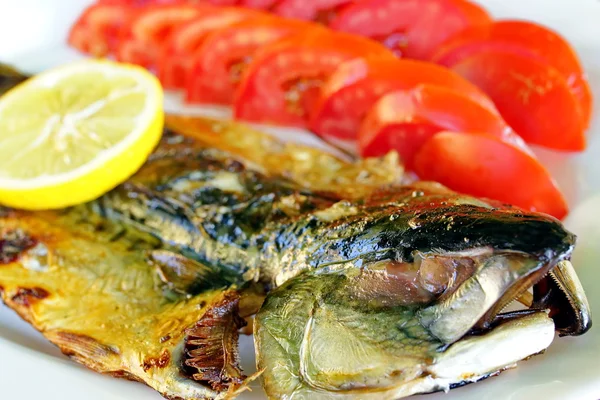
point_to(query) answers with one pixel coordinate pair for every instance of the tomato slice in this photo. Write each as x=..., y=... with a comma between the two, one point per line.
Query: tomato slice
x=150, y=27
x=97, y=30
x=176, y=61
x=526, y=39
x=317, y=10
x=356, y=85
x=281, y=85
x=483, y=165
x=533, y=98
x=404, y=120
x=223, y=2
x=141, y=3
x=220, y=61
x=259, y=4
x=412, y=28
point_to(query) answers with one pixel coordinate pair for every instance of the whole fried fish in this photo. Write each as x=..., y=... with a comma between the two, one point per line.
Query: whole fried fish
x=378, y=290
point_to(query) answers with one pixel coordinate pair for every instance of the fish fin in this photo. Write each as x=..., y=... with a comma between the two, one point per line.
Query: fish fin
x=211, y=353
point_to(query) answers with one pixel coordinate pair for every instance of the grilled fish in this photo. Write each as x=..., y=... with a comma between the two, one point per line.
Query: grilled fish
x=376, y=288
x=127, y=298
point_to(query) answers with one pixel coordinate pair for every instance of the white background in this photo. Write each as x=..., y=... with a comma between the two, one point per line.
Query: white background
x=32, y=37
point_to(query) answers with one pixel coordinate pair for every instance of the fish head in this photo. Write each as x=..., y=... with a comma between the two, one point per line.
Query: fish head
x=470, y=257
x=339, y=335
x=418, y=303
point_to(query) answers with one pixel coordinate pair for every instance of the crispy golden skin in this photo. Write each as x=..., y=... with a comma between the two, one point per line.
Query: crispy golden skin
x=308, y=167
x=96, y=299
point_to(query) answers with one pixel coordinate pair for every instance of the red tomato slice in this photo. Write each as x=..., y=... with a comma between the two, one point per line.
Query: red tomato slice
x=526, y=39
x=533, y=98
x=404, y=120
x=96, y=32
x=260, y=4
x=142, y=3
x=281, y=85
x=223, y=2
x=483, y=165
x=317, y=10
x=220, y=61
x=177, y=55
x=473, y=13
x=356, y=85
x=413, y=28
x=150, y=28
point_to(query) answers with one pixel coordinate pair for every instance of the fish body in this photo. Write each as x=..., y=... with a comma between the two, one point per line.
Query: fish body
x=137, y=284
x=251, y=225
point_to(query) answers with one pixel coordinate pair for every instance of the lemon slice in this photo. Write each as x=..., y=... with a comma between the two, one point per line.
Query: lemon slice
x=71, y=134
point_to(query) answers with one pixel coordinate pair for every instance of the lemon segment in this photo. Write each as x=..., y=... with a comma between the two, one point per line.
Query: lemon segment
x=73, y=133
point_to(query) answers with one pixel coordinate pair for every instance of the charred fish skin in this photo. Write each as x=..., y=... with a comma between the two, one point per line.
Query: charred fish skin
x=396, y=224
x=218, y=211
x=207, y=205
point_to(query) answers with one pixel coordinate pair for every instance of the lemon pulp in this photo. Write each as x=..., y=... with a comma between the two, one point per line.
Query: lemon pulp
x=73, y=133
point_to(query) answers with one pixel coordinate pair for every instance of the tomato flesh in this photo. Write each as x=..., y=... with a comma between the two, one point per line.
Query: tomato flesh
x=317, y=10
x=412, y=28
x=356, y=85
x=222, y=58
x=149, y=28
x=282, y=82
x=532, y=97
x=177, y=56
x=97, y=30
x=525, y=39
x=404, y=120
x=483, y=165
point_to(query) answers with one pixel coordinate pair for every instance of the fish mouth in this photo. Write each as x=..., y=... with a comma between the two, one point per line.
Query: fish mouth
x=469, y=291
x=561, y=292
x=540, y=307
x=475, y=357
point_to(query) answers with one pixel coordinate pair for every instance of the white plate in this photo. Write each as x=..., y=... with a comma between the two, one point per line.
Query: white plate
x=32, y=36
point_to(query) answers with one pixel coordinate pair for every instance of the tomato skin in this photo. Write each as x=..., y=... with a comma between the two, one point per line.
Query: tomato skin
x=141, y=3
x=474, y=14
x=315, y=10
x=414, y=28
x=97, y=30
x=211, y=80
x=149, y=28
x=531, y=96
x=404, y=120
x=259, y=4
x=176, y=61
x=280, y=86
x=483, y=165
x=473, y=41
x=223, y=2
x=526, y=39
x=356, y=85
